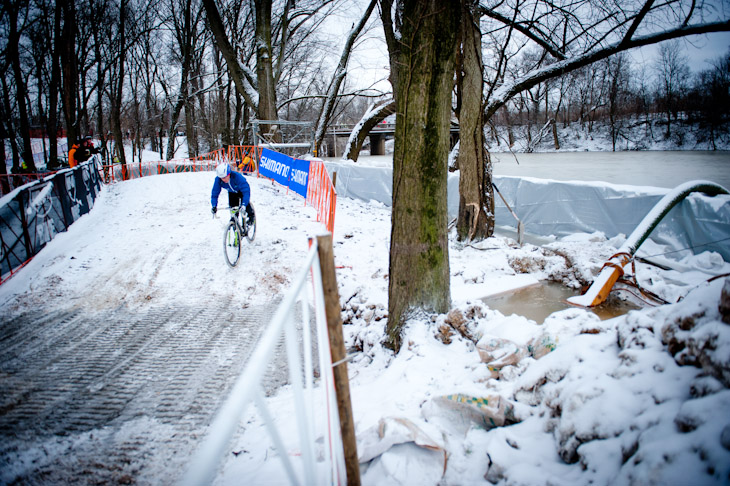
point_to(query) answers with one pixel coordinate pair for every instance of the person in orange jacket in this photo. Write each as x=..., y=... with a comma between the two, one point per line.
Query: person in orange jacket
x=72, y=155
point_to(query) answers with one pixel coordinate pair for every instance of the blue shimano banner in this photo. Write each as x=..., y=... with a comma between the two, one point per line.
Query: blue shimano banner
x=299, y=179
x=292, y=173
x=275, y=166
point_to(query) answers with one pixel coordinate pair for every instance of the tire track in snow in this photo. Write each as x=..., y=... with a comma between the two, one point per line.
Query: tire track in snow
x=124, y=392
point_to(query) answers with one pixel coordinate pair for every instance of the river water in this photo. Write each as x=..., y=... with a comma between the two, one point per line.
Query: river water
x=648, y=168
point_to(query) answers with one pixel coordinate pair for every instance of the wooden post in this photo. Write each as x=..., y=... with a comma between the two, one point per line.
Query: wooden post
x=334, y=179
x=337, y=350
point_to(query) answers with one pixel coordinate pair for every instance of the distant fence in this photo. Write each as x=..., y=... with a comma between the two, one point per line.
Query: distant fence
x=40, y=149
x=33, y=213
x=28, y=221
x=244, y=157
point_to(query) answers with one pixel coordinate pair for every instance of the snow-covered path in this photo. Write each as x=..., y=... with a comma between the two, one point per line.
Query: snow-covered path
x=137, y=386
x=121, y=339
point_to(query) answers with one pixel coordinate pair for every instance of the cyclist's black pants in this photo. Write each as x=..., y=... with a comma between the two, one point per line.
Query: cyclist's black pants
x=234, y=199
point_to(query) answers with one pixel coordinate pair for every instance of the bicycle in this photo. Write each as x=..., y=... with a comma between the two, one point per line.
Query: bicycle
x=237, y=228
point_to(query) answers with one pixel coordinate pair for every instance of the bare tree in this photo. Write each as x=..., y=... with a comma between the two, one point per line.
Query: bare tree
x=617, y=69
x=186, y=21
x=116, y=82
x=325, y=114
x=673, y=73
x=264, y=57
x=7, y=121
x=54, y=87
x=711, y=97
x=13, y=54
x=275, y=42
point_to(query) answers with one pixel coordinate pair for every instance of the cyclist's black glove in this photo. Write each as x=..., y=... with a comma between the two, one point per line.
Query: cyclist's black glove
x=213, y=209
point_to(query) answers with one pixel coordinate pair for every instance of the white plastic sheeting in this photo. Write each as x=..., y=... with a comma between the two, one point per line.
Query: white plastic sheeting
x=558, y=208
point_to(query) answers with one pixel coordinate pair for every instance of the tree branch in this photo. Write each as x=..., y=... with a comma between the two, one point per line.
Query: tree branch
x=529, y=31
x=507, y=92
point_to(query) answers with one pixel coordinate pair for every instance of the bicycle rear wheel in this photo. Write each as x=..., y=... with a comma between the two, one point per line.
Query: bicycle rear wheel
x=232, y=244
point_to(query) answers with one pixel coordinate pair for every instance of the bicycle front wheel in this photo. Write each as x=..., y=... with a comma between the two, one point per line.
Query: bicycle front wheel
x=251, y=225
x=232, y=244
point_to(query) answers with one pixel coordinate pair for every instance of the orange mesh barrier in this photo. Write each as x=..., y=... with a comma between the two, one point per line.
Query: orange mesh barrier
x=245, y=157
x=242, y=157
x=321, y=194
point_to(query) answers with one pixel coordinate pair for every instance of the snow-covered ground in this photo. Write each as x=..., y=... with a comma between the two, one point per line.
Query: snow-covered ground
x=637, y=399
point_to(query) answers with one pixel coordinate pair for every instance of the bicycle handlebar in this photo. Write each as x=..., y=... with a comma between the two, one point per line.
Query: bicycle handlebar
x=215, y=215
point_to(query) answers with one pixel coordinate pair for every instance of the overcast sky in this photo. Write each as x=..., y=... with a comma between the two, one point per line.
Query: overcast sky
x=369, y=63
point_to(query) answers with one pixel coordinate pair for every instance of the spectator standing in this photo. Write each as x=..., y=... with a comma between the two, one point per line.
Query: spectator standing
x=72, y=161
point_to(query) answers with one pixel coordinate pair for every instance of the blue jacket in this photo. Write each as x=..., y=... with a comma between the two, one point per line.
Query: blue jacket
x=237, y=183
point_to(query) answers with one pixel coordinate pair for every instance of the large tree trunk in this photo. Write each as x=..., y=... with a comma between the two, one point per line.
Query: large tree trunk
x=116, y=99
x=419, y=252
x=69, y=69
x=476, y=198
x=264, y=66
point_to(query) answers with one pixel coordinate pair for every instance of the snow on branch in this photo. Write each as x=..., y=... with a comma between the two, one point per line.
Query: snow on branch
x=339, y=76
x=374, y=113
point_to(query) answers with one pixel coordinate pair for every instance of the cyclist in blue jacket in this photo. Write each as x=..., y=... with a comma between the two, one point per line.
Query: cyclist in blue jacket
x=239, y=192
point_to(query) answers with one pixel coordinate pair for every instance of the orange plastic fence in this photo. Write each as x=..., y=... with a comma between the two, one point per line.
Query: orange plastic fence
x=321, y=194
x=244, y=157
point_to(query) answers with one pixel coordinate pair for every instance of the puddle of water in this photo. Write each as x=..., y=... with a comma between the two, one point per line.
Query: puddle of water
x=537, y=302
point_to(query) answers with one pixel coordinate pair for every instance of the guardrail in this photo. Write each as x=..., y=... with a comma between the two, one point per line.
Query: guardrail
x=339, y=442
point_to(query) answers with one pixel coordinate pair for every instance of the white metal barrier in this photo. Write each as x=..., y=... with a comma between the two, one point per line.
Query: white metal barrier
x=247, y=389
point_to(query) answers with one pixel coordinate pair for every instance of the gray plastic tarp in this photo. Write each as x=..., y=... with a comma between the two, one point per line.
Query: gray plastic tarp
x=558, y=208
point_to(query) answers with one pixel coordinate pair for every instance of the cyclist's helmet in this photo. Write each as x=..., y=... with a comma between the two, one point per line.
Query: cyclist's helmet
x=223, y=170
